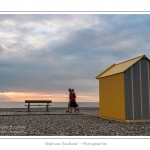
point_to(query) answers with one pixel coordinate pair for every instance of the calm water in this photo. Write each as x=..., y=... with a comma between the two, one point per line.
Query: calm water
x=54, y=104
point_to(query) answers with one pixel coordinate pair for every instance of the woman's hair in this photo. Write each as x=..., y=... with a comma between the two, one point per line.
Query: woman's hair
x=72, y=90
x=69, y=89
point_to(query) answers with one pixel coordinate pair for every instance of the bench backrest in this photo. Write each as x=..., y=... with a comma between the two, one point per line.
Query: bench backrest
x=38, y=101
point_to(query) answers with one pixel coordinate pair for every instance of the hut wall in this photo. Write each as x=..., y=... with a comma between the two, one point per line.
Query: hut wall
x=137, y=91
x=112, y=97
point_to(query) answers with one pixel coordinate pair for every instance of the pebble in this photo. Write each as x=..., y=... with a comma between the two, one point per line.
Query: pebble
x=68, y=125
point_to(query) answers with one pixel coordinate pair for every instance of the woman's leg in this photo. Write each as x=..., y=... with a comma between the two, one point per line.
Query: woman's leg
x=70, y=109
x=76, y=109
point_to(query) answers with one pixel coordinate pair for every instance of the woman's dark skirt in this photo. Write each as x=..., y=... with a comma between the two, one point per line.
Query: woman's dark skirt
x=73, y=103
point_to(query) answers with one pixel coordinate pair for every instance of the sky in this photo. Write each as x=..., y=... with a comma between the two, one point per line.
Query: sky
x=42, y=55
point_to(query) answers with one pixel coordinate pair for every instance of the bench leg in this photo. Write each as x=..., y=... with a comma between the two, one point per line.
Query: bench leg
x=47, y=107
x=28, y=106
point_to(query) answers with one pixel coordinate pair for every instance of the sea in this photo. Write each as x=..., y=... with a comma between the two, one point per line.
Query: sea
x=53, y=104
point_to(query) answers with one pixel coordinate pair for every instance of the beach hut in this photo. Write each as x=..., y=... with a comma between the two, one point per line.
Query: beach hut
x=124, y=91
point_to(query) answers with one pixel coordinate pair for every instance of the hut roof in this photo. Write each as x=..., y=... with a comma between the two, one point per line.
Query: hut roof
x=118, y=68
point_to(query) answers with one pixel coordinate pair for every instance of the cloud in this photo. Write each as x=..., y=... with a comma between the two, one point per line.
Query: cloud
x=49, y=53
x=1, y=49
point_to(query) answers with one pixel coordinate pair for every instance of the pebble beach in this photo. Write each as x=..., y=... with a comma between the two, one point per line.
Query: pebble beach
x=67, y=125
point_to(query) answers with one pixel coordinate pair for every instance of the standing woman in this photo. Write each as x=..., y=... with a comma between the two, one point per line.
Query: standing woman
x=73, y=102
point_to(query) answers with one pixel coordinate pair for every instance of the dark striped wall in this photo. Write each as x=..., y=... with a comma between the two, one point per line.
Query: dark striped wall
x=137, y=90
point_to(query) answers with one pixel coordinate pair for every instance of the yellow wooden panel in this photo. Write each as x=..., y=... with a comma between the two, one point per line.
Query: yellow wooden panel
x=112, y=97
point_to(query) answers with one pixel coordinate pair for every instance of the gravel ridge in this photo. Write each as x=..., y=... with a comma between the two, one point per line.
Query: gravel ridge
x=68, y=125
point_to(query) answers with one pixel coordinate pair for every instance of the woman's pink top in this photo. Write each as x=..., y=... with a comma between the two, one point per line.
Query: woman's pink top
x=73, y=96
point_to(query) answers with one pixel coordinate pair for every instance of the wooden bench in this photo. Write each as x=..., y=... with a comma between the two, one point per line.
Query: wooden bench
x=38, y=101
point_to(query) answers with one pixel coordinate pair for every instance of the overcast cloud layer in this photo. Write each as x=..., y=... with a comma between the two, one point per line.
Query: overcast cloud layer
x=50, y=53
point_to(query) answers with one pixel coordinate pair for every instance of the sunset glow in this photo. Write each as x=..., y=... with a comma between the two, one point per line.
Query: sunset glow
x=55, y=97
